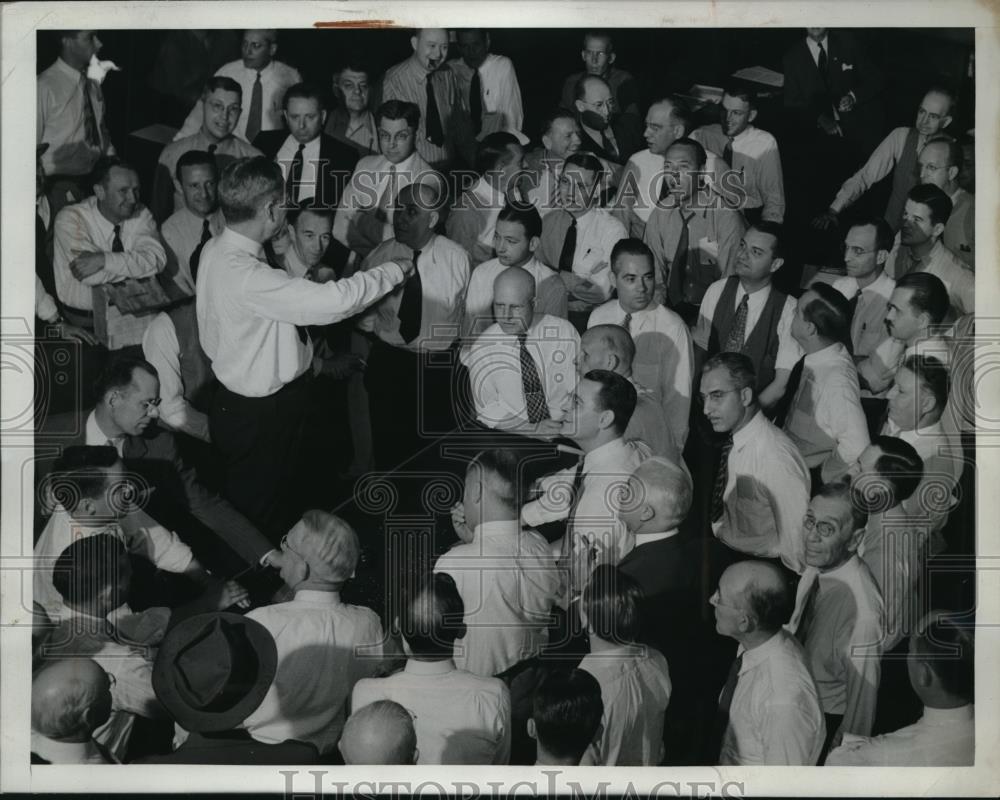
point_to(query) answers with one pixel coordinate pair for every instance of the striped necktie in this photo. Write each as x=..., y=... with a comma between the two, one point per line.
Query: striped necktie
x=531, y=384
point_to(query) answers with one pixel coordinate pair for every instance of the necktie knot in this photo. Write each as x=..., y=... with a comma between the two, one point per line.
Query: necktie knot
x=116, y=242
x=627, y=323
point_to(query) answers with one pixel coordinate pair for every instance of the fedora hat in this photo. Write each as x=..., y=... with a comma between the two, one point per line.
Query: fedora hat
x=213, y=670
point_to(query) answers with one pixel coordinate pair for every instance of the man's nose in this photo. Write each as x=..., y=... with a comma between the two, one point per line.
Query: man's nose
x=153, y=412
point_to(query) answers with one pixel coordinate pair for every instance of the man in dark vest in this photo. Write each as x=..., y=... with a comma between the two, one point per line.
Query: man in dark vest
x=897, y=154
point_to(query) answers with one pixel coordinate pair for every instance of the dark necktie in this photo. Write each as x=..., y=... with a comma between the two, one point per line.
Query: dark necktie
x=627, y=323
x=853, y=304
x=821, y=65
x=255, y=118
x=727, y=151
x=295, y=175
x=725, y=704
x=410, y=303
x=678, y=267
x=785, y=404
x=568, y=251
x=212, y=148
x=737, y=333
x=534, y=394
x=721, y=478
x=476, y=101
x=116, y=242
x=206, y=234
x=608, y=145
x=91, y=131
x=433, y=128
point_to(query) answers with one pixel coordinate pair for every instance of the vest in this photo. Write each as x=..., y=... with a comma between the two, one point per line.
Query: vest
x=761, y=346
x=196, y=369
x=904, y=178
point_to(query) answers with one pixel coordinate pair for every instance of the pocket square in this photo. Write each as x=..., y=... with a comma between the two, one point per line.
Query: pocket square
x=845, y=67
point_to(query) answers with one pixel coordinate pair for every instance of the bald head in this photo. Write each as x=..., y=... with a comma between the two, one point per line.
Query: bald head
x=323, y=548
x=665, y=491
x=607, y=347
x=765, y=592
x=70, y=699
x=379, y=733
x=514, y=300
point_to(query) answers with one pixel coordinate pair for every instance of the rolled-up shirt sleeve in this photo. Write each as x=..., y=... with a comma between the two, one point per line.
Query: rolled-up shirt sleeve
x=144, y=255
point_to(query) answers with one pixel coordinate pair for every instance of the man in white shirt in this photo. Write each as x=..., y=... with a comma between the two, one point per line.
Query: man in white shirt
x=560, y=139
x=941, y=670
x=759, y=189
x=249, y=321
x=472, y=219
x=325, y=646
x=838, y=613
x=521, y=367
x=106, y=239
x=565, y=717
x=263, y=82
x=459, y=717
x=634, y=679
x=222, y=100
x=577, y=240
x=825, y=419
x=769, y=711
x=761, y=490
x=69, y=700
x=663, y=350
x=940, y=163
x=515, y=241
x=364, y=217
x=918, y=247
x=379, y=733
x=489, y=83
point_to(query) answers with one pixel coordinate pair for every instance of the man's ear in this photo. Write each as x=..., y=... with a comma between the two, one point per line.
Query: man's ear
x=925, y=675
x=613, y=362
x=460, y=630
x=752, y=115
x=776, y=264
x=606, y=419
x=946, y=121
x=937, y=230
x=416, y=754
x=746, y=395
x=855, y=541
x=881, y=256
x=532, y=730
x=435, y=219
x=952, y=173
x=579, y=106
x=413, y=43
x=647, y=513
x=322, y=120
x=85, y=508
x=99, y=192
x=272, y=49
x=533, y=243
x=611, y=57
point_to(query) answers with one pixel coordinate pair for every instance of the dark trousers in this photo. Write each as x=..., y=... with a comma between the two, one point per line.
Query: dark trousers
x=260, y=440
x=832, y=726
x=521, y=680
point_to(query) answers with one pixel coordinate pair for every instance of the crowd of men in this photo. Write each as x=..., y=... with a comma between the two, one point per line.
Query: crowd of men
x=701, y=485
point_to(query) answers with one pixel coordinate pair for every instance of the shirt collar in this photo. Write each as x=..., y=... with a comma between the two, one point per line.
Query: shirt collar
x=915, y=435
x=318, y=597
x=946, y=716
x=402, y=166
x=608, y=454
x=96, y=437
x=64, y=752
x=296, y=268
x=62, y=66
x=649, y=538
x=443, y=667
x=827, y=355
x=255, y=249
x=746, y=132
x=762, y=293
x=759, y=654
x=504, y=527
x=263, y=72
x=749, y=431
x=851, y=565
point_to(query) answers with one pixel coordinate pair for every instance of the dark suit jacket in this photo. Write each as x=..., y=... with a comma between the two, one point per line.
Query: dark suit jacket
x=338, y=160
x=628, y=136
x=848, y=70
x=178, y=493
x=235, y=747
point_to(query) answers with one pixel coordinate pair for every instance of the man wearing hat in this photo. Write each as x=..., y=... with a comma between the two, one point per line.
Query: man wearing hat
x=211, y=672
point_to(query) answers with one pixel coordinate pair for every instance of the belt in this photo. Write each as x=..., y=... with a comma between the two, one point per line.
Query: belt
x=79, y=312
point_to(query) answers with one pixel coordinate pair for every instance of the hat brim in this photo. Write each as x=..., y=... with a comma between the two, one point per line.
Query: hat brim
x=164, y=676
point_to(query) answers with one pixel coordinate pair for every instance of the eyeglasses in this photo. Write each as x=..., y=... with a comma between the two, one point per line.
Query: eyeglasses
x=605, y=105
x=285, y=546
x=717, y=395
x=854, y=251
x=825, y=529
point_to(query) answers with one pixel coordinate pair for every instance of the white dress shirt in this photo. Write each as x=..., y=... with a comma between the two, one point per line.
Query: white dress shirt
x=325, y=646
x=494, y=364
x=839, y=619
x=61, y=121
x=597, y=232
x=788, y=349
x=310, y=165
x=958, y=279
x=509, y=582
x=635, y=688
x=755, y=155
x=766, y=495
x=775, y=718
x=868, y=329
x=275, y=78
x=248, y=312
x=550, y=294
x=444, y=275
x=501, y=93
x=879, y=164
x=826, y=421
x=459, y=718
x=880, y=368
x=664, y=358
x=161, y=348
x=942, y=737
x=139, y=532
x=181, y=233
x=544, y=193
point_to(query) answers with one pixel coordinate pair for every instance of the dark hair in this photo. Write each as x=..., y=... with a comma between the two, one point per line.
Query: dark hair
x=103, y=166
x=600, y=34
x=842, y=490
x=742, y=92
x=586, y=161
x=612, y=601
x=246, y=184
x=399, y=109
x=617, y=394
x=480, y=31
x=79, y=473
x=771, y=606
x=87, y=567
x=221, y=82
x=492, y=149
x=354, y=62
x=432, y=618
x=524, y=213
x=306, y=91
x=935, y=199
x=700, y=156
x=932, y=375
x=830, y=313
x=928, y=295
x=630, y=247
x=504, y=466
x=195, y=158
x=567, y=710
x=550, y=119
x=739, y=366
x=900, y=465
x=311, y=205
x=943, y=88
x=775, y=229
x=948, y=647
x=884, y=237
x=956, y=153
x=118, y=373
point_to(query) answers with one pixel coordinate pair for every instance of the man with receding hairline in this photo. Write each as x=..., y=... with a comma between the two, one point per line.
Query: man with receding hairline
x=70, y=699
x=940, y=163
x=379, y=733
x=611, y=136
